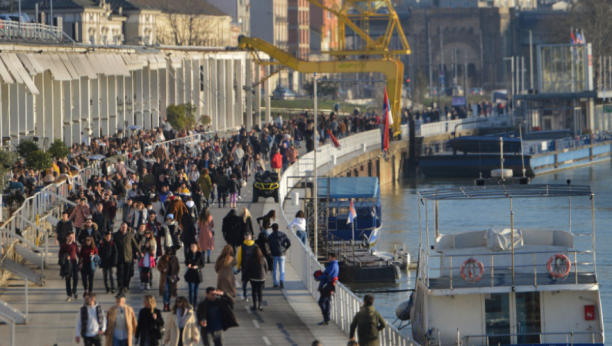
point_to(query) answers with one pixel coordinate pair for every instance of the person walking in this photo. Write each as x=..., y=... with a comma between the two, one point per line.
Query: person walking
x=264, y=246
x=327, y=281
x=224, y=266
x=87, y=264
x=279, y=244
x=182, y=328
x=89, y=229
x=194, y=260
x=63, y=227
x=108, y=260
x=215, y=315
x=121, y=323
x=127, y=249
x=206, y=238
x=80, y=212
x=69, y=268
x=265, y=221
x=277, y=162
x=368, y=323
x=233, y=188
x=256, y=270
x=150, y=323
x=205, y=184
x=146, y=263
x=169, y=270
x=299, y=223
x=244, y=253
x=91, y=322
x=171, y=233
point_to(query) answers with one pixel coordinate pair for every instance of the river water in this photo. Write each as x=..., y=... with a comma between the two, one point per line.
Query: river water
x=401, y=226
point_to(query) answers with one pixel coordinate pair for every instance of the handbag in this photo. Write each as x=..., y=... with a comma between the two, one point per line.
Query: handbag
x=174, y=279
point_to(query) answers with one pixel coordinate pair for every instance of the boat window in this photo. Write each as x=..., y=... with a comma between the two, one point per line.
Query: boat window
x=497, y=318
x=528, y=322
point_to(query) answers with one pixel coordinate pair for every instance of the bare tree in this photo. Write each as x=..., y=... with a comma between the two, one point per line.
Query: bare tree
x=190, y=24
x=593, y=18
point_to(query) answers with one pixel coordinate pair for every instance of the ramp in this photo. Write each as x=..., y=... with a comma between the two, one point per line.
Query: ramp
x=23, y=272
x=12, y=313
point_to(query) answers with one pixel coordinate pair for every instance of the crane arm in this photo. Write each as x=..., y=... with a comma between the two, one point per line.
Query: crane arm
x=392, y=69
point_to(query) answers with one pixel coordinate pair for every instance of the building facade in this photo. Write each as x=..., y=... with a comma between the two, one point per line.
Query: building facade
x=272, y=25
x=323, y=28
x=239, y=10
x=299, y=28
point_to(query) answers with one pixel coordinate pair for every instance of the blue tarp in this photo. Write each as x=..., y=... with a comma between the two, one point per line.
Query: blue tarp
x=349, y=187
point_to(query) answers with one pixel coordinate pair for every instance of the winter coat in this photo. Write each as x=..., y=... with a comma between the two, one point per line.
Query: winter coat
x=108, y=254
x=279, y=243
x=191, y=333
x=111, y=317
x=232, y=228
x=103, y=222
x=256, y=271
x=205, y=236
x=277, y=161
x=264, y=246
x=368, y=323
x=149, y=326
x=226, y=279
x=194, y=275
x=226, y=305
x=178, y=208
x=168, y=267
x=142, y=242
x=160, y=211
x=126, y=247
x=138, y=217
x=62, y=228
x=247, y=227
x=171, y=233
x=206, y=185
x=83, y=233
x=79, y=214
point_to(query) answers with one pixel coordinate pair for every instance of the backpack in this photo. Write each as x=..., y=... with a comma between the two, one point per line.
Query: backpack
x=65, y=266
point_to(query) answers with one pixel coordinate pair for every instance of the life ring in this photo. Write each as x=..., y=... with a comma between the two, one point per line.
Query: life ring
x=468, y=270
x=557, y=270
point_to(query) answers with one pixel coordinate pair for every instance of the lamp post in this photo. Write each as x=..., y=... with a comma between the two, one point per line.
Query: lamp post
x=315, y=183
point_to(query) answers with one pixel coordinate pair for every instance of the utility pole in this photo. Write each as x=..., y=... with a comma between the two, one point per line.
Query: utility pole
x=481, y=61
x=441, y=60
x=429, y=55
x=531, y=60
x=465, y=77
x=316, y=182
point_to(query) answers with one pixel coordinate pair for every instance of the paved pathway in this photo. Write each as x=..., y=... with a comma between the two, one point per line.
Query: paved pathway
x=289, y=316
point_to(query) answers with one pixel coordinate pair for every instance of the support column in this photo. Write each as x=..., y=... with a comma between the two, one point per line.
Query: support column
x=59, y=110
x=207, y=109
x=188, y=81
x=48, y=106
x=95, y=107
x=23, y=111
x=221, y=93
x=5, y=105
x=40, y=128
x=146, y=98
x=195, y=88
x=138, y=100
x=113, y=118
x=171, y=84
x=179, y=83
x=129, y=101
x=155, y=98
x=163, y=92
x=104, y=100
x=213, y=88
x=239, y=83
x=267, y=96
x=120, y=96
x=76, y=128
x=229, y=94
x=86, y=102
x=249, y=93
x=29, y=115
x=258, y=95
x=14, y=114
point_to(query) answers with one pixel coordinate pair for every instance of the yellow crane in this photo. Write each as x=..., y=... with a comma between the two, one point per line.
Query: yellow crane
x=348, y=13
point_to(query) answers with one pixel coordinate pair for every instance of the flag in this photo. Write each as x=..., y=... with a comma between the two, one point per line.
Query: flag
x=573, y=37
x=387, y=121
x=582, y=37
x=352, y=214
x=574, y=50
x=334, y=140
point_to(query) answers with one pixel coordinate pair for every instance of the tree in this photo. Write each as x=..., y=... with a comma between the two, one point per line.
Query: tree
x=25, y=147
x=7, y=159
x=419, y=88
x=593, y=18
x=324, y=88
x=188, y=24
x=39, y=160
x=181, y=117
x=205, y=119
x=59, y=149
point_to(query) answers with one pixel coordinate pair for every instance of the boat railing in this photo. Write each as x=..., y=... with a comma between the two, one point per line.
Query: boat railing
x=498, y=269
x=558, y=338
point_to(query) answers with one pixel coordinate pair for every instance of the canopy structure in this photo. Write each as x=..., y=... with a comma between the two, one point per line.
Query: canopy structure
x=507, y=191
x=349, y=187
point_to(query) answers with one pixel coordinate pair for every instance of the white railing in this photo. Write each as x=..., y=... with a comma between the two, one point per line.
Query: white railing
x=12, y=30
x=345, y=304
x=450, y=126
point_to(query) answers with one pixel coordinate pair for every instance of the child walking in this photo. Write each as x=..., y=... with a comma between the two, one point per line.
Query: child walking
x=234, y=187
x=147, y=261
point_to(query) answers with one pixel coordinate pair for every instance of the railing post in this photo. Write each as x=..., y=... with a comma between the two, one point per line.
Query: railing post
x=575, y=267
x=26, y=298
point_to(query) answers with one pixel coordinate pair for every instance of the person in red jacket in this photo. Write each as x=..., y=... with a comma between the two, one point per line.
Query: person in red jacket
x=277, y=162
x=86, y=255
x=69, y=270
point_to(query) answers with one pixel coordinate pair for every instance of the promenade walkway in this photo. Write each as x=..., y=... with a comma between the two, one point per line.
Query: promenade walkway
x=290, y=316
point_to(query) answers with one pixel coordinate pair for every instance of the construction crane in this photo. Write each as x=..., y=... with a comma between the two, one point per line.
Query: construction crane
x=356, y=15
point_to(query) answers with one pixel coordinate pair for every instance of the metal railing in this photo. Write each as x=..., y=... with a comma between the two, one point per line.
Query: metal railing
x=547, y=146
x=450, y=126
x=571, y=338
x=12, y=31
x=345, y=304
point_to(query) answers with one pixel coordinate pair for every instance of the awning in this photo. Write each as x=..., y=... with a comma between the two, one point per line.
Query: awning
x=69, y=67
x=18, y=72
x=156, y=62
x=84, y=63
x=53, y=63
x=30, y=63
x=176, y=61
x=5, y=75
x=122, y=69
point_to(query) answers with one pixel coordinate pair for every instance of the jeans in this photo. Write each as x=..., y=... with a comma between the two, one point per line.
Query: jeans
x=213, y=338
x=74, y=280
x=92, y=341
x=257, y=292
x=167, y=292
x=87, y=275
x=193, y=293
x=279, y=261
x=302, y=235
x=108, y=275
x=117, y=342
x=325, y=305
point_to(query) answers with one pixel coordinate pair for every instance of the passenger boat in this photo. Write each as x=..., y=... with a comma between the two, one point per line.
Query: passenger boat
x=365, y=194
x=506, y=285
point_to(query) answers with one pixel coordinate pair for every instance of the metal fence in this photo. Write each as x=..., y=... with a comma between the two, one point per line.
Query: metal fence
x=14, y=31
x=345, y=304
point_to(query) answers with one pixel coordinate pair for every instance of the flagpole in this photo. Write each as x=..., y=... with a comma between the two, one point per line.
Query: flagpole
x=315, y=187
x=353, y=228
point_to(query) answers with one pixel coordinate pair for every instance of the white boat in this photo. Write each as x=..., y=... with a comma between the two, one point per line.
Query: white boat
x=505, y=286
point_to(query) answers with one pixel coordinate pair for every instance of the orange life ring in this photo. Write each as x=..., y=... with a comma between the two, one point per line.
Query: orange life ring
x=555, y=272
x=469, y=274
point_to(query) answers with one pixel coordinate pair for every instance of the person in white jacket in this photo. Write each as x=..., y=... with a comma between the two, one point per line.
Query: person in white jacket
x=299, y=223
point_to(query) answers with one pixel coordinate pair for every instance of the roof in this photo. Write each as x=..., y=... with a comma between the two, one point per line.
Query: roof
x=507, y=191
x=182, y=6
x=58, y=4
x=350, y=187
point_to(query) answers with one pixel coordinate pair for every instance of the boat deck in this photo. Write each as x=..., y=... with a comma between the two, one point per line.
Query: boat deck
x=504, y=279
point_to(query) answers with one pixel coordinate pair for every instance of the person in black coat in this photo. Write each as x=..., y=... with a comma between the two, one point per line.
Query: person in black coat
x=194, y=260
x=232, y=229
x=101, y=219
x=150, y=323
x=255, y=270
x=216, y=315
x=108, y=258
x=264, y=246
x=63, y=228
